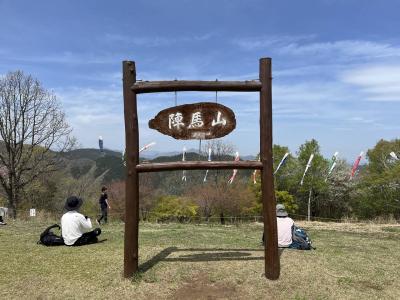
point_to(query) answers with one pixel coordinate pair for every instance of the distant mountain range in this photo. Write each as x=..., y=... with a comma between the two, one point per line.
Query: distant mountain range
x=154, y=154
x=111, y=161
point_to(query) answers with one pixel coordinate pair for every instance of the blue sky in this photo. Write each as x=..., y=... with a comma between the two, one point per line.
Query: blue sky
x=336, y=64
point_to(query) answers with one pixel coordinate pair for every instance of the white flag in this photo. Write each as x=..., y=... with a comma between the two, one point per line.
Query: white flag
x=235, y=170
x=209, y=159
x=183, y=159
x=307, y=167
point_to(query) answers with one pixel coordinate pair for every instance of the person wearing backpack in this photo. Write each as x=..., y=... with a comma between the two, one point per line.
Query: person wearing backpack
x=284, y=226
x=289, y=235
x=75, y=227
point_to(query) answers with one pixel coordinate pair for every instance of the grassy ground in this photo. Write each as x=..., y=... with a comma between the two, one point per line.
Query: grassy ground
x=352, y=261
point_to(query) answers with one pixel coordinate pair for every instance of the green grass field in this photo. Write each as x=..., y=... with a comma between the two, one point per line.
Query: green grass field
x=352, y=261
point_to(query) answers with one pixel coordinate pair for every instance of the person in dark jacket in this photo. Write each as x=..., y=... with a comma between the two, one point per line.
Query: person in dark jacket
x=104, y=205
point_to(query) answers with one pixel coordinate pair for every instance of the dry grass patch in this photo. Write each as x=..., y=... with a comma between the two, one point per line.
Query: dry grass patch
x=177, y=261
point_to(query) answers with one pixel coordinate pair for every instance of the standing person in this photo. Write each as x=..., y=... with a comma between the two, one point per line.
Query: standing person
x=75, y=226
x=104, y=206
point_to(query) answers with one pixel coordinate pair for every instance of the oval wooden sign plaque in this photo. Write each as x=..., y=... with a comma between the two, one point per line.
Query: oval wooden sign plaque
x=204, y=120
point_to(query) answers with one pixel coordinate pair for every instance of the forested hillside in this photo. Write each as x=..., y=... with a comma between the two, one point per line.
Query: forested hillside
x=368, y=191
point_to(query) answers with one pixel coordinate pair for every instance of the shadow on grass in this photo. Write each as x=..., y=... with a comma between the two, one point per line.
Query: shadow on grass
x=210, y=254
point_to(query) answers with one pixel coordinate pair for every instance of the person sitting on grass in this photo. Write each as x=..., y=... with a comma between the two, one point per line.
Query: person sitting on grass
x=75, y=226
x=284, y=227
x=289, y=235
x=3, y=212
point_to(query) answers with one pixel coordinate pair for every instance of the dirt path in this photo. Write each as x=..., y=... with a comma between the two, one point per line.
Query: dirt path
x=200, y=287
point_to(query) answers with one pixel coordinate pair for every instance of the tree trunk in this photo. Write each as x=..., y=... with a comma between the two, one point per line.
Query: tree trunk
x=309, y=206
x=13, y=197
x=12, y=209
x=221, y=215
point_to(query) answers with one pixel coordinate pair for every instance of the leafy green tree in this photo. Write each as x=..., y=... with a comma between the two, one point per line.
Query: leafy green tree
x=379, y=159
x=378, y=190
x=285, y=177
x=314, y=184
x=285, y=181
x=283, y=197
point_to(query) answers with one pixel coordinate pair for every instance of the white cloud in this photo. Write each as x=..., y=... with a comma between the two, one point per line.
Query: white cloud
x=64, y=57
x=303, y=45
x=378, y=82
x=362, y=120
x=259, y=42
x=351, y=48
x=154, y=41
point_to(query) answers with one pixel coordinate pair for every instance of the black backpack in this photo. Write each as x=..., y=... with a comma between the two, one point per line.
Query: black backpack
x=48, y=238
x=301, y=240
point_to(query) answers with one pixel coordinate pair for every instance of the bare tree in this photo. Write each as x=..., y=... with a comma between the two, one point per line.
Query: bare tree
x=34, y=132
x=218, y=199
x=220, y=149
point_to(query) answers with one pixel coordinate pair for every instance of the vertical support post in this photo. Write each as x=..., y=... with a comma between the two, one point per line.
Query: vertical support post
x=131, y=243
x=272, y=264
x=309, y=206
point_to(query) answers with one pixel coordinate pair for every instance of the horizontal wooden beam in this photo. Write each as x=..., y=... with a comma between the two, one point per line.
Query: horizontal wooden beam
x=141, y=87
x=198, y=165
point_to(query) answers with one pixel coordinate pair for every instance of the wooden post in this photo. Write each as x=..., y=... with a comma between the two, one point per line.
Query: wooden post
x=131, y=252
x=272, y=264
x=309, y=206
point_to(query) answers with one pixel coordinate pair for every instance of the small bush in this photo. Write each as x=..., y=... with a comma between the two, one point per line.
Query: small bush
x=174, y=208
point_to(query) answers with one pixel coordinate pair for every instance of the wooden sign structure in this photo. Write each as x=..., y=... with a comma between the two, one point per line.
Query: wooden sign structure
x=131, y=88
x=204, y=120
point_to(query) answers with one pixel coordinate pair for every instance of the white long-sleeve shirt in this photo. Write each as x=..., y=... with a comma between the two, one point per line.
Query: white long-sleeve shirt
x=284, y=231
x=73, y=225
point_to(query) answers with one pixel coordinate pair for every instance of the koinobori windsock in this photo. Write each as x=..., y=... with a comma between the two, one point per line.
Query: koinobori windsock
x=283, y=160
x=394, y=155
x=254, y=175
x=332, y=164
x=145, y=147
x=355, y=165
x=123, y=158
x=235, y=170
x=184, y=159
x=307, y=167
x=209, y=159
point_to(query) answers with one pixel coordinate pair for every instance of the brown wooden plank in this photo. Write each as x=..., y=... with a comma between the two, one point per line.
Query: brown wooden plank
x=186, y=85
x=131, y=249
x=202, y=120
x=272, y=263
x=198, y=165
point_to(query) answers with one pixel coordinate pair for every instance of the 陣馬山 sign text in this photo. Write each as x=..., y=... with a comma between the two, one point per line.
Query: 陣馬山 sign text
x=204, y=120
